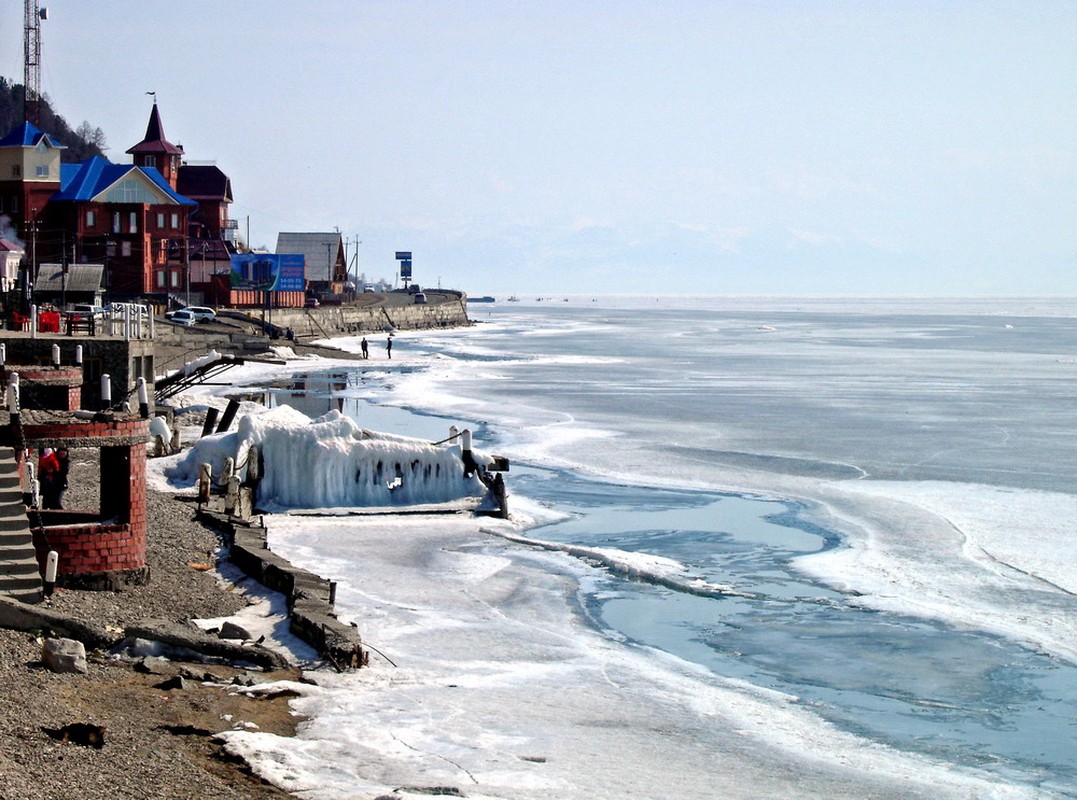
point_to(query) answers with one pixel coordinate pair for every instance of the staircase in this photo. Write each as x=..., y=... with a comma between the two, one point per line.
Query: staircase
x=20, y=577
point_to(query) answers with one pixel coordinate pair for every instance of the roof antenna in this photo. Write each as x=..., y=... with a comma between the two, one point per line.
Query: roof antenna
x=154, y=97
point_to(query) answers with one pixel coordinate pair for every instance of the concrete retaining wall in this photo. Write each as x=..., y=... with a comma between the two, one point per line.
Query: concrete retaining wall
x=310, y=610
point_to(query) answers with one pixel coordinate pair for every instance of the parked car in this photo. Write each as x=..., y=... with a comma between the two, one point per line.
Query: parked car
x=89, y=311
x=203, y=313
x=311, y=302
x=183, y=317
x=420, y=298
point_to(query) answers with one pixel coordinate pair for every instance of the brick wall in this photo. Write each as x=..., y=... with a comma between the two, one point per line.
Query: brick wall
x=92, y=548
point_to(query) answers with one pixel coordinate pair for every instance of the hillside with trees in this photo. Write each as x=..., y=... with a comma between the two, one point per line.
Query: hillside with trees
x=83, y=143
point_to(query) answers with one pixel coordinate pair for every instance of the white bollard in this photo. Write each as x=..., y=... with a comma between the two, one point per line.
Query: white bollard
x=3, y=354
x=56, y=355
x=13, y=395
x=78, y=354
x=106, y=391
x=143, y=399
x=453, y=433
x=51, y=564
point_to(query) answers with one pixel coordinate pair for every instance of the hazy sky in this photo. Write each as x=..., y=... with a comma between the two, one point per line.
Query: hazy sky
x=553, y=147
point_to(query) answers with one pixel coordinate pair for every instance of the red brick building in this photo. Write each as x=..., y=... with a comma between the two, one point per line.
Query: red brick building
x=135, y=219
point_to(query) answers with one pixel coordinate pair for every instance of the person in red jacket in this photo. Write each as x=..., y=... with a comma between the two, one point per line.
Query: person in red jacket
x=49, y=478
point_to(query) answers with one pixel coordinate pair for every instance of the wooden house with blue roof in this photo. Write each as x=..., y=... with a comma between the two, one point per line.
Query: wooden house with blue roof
x=135, y=219
x=126, y=217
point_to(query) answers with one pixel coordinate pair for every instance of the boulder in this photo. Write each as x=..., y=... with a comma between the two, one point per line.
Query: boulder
x=64, y=655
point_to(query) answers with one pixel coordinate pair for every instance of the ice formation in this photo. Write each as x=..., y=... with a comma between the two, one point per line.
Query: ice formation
x=331, y=462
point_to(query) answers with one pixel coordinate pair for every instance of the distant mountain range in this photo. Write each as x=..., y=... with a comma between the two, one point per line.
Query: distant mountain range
x=83, y=143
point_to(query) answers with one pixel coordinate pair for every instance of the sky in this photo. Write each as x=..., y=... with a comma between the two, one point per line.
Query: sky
x=628, y=146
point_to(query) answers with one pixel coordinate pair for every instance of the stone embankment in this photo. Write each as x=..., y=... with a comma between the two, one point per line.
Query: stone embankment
x=247, y=331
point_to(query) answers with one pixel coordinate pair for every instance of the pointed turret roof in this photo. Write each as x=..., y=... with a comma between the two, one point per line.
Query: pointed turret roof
x=155, y=141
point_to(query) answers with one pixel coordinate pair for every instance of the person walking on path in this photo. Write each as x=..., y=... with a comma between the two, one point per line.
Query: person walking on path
x=363, y=344
x=389, y=347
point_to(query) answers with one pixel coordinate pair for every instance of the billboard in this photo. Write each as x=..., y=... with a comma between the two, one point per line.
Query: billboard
x=268, y=272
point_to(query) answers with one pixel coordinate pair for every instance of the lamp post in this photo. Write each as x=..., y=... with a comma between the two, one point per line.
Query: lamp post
x=187, y=259
x=33, y=245
x=109, y=249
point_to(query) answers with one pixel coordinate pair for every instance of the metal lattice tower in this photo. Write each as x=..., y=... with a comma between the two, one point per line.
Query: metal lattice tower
x=31, y=82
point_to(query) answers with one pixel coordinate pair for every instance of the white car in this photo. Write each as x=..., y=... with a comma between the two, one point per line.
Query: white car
x=183, y=317
x=199, y=313
x=202, y=313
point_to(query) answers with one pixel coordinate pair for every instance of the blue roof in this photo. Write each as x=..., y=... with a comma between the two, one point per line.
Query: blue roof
x=26, y=135
x=83, y=182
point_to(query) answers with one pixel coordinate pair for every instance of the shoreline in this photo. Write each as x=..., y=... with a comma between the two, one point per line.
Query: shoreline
x=159, y=743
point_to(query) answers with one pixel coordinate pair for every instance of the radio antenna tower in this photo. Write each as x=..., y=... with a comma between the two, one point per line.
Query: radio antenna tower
x=31, y=82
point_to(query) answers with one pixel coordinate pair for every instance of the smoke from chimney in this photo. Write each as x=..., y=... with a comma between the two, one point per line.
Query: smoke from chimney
x=7, y=232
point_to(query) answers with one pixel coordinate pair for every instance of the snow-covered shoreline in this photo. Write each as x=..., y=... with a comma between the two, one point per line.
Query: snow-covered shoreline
x=427, y=589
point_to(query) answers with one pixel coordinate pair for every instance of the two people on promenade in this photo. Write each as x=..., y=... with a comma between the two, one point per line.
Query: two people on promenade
x=365, y=347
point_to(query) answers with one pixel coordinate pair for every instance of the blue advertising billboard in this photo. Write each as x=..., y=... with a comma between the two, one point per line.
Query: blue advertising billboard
x=268, y=272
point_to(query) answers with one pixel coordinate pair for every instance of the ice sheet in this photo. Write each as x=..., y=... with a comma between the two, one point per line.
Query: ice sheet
x=501, y=689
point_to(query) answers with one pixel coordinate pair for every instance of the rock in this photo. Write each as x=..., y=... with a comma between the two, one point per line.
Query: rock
x=154, y=665
x=64, y=655
x=175, y=682
x=230, y=630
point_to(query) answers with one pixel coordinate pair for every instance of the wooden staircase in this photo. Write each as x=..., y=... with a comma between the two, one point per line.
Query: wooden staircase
x=20, y=577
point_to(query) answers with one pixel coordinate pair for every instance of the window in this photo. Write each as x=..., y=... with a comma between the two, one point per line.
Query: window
x=115, y=221
x=136, y=188
x=42, y=170
x=175, y=280
x=91, y=218
x=133, y=219
x=160, y=280
x=160, y=219
x=125, y=249
x=16, y=170
x=149, y=161
x=175, y=220
x=14, y=203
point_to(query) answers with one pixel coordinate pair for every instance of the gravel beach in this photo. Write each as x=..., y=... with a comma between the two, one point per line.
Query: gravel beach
x=158, y=742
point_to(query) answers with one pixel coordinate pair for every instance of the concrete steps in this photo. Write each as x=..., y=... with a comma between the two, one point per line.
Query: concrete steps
x=20, y=577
